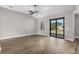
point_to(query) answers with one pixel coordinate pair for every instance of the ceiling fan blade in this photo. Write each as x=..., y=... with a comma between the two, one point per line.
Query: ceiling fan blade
x=30, y=11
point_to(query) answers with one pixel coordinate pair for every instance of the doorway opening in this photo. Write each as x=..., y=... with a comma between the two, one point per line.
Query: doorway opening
x=57, y=27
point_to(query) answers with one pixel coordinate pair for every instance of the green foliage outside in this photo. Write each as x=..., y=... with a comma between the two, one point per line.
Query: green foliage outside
x=53, y=27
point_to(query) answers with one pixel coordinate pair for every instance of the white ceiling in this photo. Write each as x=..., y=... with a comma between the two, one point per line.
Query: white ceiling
x=44, y=10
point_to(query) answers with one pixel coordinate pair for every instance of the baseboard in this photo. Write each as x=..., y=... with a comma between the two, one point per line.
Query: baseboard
x=3, y=38
x=76, y=36
x=42, y=34
x=70, y=39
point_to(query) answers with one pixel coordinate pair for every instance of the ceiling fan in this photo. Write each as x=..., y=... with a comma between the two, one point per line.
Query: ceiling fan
x=35, y=12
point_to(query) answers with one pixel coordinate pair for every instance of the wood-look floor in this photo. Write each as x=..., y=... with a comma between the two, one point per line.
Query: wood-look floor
x=36, y=44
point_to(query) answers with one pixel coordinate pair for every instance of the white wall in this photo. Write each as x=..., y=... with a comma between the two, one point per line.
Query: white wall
x=77, y=25
x=69, y=24
x=13, y=24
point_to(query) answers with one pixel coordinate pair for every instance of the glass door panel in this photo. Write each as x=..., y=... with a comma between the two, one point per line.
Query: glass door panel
x=53, y=28
x=60, y=28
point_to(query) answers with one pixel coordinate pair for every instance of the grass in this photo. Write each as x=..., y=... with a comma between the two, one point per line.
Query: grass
x=58, y=31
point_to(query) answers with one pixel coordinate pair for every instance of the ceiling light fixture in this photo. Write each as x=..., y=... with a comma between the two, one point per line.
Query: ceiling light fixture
x=35, y=12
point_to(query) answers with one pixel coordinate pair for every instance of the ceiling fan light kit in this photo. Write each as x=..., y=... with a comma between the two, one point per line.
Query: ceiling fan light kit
x=35, y=12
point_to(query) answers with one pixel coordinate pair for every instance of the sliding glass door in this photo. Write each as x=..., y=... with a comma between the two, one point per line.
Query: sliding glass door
x=57, y=27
